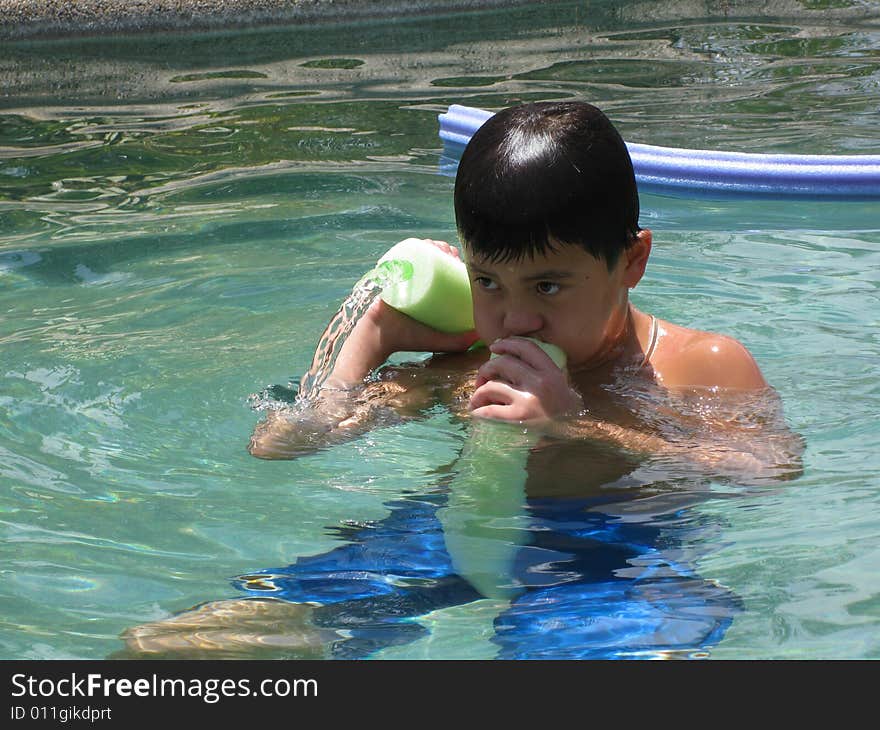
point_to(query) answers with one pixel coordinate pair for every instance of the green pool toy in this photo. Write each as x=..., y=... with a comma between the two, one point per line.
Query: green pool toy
x=556, y=354
x=428, y=285
x=485, y=520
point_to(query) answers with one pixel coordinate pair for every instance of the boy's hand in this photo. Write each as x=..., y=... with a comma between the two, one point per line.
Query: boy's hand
x=401, y=333
x=522, y=384
x=445, y=247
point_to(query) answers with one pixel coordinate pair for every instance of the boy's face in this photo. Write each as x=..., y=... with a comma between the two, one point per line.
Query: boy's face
x=567, y=298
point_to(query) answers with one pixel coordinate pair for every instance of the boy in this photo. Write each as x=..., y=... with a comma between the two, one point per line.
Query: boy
x=547, y=211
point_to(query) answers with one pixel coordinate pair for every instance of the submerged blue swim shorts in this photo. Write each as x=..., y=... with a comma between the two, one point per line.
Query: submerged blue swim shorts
x=588, y=585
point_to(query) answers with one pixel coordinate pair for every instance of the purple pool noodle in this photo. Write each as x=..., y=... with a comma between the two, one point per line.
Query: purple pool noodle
x=714, y=174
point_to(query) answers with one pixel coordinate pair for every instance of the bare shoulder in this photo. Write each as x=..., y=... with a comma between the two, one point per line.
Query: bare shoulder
x=687, y=357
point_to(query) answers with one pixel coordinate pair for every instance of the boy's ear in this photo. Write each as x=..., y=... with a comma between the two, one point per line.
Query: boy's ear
x=636, y=258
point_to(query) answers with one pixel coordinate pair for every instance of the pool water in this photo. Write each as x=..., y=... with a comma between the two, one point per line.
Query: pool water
x=180, y=216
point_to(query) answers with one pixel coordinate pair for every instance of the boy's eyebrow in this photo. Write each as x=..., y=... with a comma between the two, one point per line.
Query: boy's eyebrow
x=549, y=274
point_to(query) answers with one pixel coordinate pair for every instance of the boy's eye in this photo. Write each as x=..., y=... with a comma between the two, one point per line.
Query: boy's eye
x=485, y=282
x=548, y=287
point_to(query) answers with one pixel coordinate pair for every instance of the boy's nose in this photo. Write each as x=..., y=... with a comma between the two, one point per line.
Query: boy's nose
x=521, y=323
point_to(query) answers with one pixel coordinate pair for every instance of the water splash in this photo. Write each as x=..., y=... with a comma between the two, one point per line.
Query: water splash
x=336, y=333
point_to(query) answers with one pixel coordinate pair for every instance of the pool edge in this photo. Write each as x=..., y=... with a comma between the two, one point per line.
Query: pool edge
x=22, y=20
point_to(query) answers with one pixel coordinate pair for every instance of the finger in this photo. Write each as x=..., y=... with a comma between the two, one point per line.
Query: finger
x=492, y=393
x=444, y=246
x=494, y=412
x=509, y=369
x=525, y=350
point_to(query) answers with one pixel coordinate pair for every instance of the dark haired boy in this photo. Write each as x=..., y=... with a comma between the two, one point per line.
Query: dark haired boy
x=547, y=212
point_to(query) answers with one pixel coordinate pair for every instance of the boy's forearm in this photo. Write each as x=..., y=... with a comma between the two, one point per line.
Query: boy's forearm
x=363, y=351
x=770, y=457
x=289, y=435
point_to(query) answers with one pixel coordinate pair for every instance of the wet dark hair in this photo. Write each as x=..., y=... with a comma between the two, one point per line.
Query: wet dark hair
x=545, y=173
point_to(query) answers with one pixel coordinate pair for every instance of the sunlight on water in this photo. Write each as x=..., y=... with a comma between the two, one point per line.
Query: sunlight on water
x=334, y=337
x=328, y=348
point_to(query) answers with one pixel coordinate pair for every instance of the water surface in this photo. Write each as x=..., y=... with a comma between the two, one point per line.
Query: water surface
x=177, y=228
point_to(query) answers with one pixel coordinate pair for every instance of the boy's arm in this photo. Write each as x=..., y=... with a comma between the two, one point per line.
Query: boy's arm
x=733, y=418
x=737, y=435
x=723, y=419
x=380, y=333
x=347, y=407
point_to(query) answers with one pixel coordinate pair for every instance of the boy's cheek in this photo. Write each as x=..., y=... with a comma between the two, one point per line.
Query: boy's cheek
x=487, y=321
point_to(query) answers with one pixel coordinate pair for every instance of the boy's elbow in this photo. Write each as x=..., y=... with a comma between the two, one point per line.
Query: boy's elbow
x=270, y=439
x=270, y=450
x=268, y=443
x=261, y=449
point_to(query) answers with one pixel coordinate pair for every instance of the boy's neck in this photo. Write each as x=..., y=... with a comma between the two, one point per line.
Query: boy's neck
x=624, y=349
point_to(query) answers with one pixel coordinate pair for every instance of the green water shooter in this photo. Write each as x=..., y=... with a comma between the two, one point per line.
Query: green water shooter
x=429, y=285
x=555, y=353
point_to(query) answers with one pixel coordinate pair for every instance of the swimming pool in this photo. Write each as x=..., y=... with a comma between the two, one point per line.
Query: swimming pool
x=177, y=228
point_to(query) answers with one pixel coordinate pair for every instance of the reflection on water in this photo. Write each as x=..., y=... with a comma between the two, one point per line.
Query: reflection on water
x=754, y=81
x=176, y=230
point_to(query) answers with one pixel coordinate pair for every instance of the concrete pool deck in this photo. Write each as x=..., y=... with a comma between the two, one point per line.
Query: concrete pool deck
x=59, y=19
x=39, y=19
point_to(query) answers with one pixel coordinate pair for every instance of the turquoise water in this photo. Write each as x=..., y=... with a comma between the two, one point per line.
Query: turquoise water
x=180, y=217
